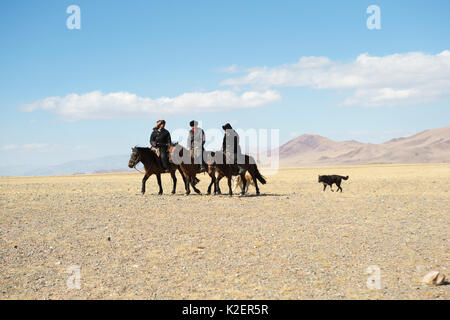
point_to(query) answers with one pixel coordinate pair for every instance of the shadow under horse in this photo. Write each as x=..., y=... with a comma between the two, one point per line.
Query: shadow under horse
x=182, y=157
x=152, y=165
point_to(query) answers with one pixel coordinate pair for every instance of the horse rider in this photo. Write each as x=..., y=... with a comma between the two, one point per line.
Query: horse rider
x=160, y=139
x=232, y=149
x=196, y=144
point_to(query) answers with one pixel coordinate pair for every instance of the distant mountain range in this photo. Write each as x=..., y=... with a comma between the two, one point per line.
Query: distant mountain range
x=108, y=164
x=430, y=146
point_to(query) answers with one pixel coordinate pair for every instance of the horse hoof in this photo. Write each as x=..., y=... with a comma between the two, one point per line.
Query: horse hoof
x=173, y=192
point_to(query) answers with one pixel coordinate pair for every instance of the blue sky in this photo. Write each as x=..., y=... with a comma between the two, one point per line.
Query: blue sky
x=240, y=61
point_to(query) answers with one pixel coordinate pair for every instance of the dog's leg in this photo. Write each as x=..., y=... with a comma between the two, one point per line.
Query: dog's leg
x=236, y=181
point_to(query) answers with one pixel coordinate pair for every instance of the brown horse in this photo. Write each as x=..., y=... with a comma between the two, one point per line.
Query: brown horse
x=182, y=157
x=152, y=165
x=230, y=170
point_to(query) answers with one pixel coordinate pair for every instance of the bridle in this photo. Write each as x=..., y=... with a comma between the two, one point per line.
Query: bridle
x=135, y=164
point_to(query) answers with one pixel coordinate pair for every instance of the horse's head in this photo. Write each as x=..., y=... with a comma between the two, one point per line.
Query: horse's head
x=135, y=157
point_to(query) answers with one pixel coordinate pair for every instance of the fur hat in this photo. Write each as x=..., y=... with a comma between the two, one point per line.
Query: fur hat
x=193, y=123
x=159, y=122
x=227, y=127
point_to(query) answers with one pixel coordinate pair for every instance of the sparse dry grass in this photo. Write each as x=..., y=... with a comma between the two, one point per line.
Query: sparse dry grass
x=293, y=242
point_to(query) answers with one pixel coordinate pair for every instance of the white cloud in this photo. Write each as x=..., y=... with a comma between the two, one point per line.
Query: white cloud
x=97, y=105
x=398, y=79
x=230, y=69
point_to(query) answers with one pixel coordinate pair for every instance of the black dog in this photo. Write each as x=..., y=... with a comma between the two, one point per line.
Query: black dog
x=329, y=180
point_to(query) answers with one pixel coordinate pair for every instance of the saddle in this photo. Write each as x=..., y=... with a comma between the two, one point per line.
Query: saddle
x=156, y=150
x=158, y=153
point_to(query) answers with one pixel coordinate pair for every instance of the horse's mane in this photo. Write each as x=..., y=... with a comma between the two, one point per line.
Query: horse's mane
x=147, y=153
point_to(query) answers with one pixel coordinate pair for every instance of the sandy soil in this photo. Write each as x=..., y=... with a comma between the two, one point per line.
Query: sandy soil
x=292, y=242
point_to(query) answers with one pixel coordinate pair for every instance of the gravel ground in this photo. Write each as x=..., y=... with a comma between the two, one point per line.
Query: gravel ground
x=292, y=242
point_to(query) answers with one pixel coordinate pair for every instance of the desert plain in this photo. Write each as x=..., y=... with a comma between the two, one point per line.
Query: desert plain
x=294, y=241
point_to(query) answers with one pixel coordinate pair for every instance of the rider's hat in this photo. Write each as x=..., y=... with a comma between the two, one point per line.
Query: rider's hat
x=227, y=127
x=159, y=122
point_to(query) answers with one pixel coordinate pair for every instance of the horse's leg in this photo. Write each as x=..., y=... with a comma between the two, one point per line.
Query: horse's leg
x=213, y=179
x=144, y=180
x=182, y=175
x=185, y=179
x=186, y=184
x=230, y=192
x=244, y=183
x=218, y=183
x=174, y=179
x=210, y=185
x=255, y=180
x=193, y=183
x=158, y=176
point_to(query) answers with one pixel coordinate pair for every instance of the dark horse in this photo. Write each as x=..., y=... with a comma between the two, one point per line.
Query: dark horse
x=152, y=165
x=230, y=170
x=181, y=156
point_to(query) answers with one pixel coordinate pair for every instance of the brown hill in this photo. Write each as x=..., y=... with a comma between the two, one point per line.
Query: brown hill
x=430, y=146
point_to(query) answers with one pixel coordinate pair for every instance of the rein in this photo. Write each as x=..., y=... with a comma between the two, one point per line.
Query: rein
x=137, y=169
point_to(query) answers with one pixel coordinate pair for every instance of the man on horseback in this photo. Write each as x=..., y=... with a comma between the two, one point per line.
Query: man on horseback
x=196, y=143
x=232, y=149
x=160, y=139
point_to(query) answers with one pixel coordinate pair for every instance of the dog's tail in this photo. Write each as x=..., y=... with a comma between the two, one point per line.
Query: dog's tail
x=345, y=178
x=259, y=176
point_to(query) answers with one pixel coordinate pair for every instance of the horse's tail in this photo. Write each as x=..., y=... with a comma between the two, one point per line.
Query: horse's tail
x=259, y=176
